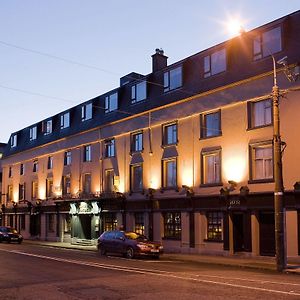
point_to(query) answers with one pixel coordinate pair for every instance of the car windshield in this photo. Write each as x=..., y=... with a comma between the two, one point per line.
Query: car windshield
x=8, y=229
x=135, y=236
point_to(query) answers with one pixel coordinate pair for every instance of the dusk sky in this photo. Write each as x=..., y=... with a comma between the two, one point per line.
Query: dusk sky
x=56, y=54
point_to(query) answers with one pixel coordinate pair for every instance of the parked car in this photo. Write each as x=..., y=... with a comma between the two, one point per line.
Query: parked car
x=9, y=234
x=129, y=244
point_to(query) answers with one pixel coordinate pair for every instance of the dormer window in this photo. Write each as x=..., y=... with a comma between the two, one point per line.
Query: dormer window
x=111, y=102
x=215, y=63
x=65, y=120
x=86, y=112
x=13, y=141
x=267, y=43
x=47, y=127
x=139, y=92
x=173, y=79
x=32, y=133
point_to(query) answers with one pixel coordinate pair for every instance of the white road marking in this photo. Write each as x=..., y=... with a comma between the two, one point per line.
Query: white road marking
x=150, y=272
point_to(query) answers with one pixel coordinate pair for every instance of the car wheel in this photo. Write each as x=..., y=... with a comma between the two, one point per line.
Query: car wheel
x=129, y=252
x=102, y=251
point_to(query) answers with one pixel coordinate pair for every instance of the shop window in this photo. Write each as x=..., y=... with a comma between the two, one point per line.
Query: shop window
x=110, y=221
x=139, y=223
x=172, y=225
x=214, y=226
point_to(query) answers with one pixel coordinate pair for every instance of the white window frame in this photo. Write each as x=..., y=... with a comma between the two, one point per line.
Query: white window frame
x=65, y=120
x=33, y=133
x=86, y=111
x=111, y=102
x=13, y=141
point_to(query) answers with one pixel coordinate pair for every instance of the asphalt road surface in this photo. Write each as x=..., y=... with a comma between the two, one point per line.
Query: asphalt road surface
x=37, y=272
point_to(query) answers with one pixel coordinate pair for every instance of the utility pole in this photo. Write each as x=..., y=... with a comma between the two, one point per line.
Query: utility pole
x=278, y=190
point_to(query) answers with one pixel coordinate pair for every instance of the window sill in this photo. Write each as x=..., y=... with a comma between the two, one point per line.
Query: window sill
x=209, y=137
x=213, y=241
x=170, y=238
x=173, y=90
x=169, y=145
x=211, y=184
x=259, y=127
x=254, y=181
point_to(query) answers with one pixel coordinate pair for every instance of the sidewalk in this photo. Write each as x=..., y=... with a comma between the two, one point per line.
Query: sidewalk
x=262, y=263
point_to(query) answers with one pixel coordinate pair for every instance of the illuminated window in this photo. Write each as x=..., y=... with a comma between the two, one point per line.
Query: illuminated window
x=66, y=185
x=139, y=223
x=172, y=225
x=87, y=183
x=22, y=191
x=261, y=161
x=211, y=166
x=86, y=112
x=260, y=113
x=170, y=173
x=111, y=102
x=87, y=153
x=109, y=146
x=215, y=63
x=137, y=142
x=68, y=158
x=10, y=193
x=34, y=190
x=139, y=92
x=110, y=221
x=210, y=124
x=109, y=180
x=170, y=134
x=267, y=43
x=49, y=187
x=136, y=178
x=173, y=79
x=214, y=226
x=65, y=120
x=32, y=133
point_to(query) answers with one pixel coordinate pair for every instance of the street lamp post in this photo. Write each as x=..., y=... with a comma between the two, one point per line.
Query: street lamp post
x=278, y=189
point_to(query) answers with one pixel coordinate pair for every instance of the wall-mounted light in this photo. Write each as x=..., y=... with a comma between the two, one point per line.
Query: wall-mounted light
x=188, y=190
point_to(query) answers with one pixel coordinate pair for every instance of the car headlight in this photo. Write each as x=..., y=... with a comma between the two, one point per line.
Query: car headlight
x=143, y=246
x=160, y=247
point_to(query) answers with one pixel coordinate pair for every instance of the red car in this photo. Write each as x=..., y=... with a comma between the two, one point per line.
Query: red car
x=129, y=244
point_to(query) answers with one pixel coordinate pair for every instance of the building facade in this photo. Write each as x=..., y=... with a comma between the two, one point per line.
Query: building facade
x=183, y=155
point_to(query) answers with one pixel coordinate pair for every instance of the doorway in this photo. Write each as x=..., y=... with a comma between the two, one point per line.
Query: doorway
x=267, y=234
x=241, y=222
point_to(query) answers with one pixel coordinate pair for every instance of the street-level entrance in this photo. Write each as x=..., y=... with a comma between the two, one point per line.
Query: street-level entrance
x=267, y=233
x=241, y=222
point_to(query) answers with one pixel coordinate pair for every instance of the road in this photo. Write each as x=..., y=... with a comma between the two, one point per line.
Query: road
x=37, y=272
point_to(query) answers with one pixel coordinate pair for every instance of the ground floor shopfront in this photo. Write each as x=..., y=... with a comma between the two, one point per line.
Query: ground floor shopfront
x=208, y=225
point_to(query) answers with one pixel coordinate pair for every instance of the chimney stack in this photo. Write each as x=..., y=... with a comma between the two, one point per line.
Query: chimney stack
x=159, y=60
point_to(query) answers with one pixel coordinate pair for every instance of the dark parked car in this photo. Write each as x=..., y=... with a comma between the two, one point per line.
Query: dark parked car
x=10, y=234
x=129, y=244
